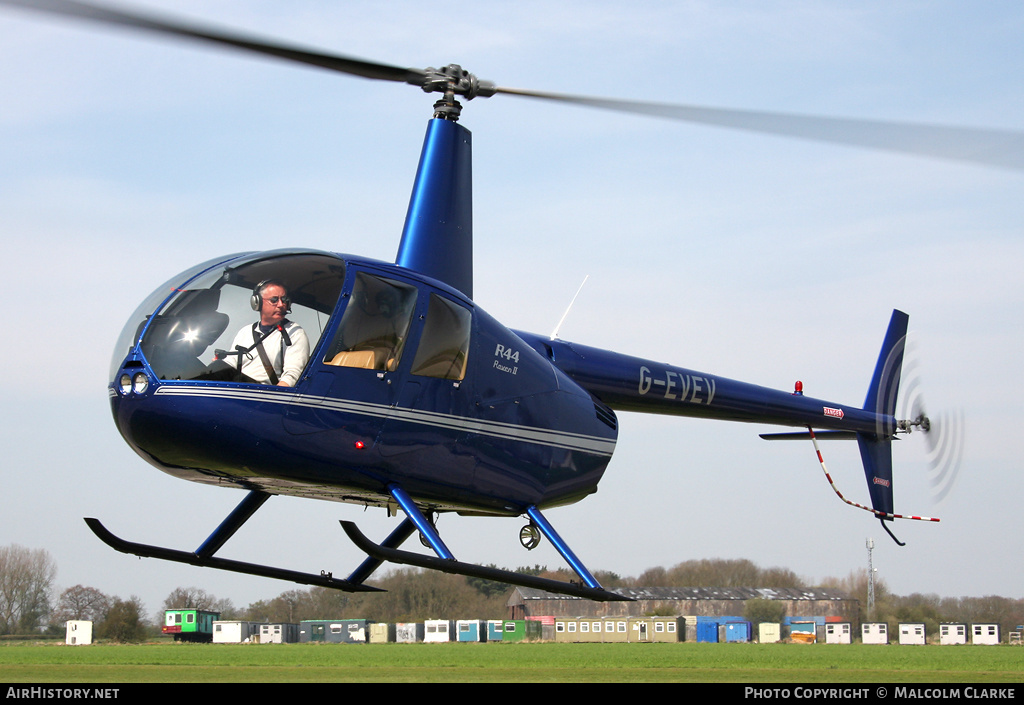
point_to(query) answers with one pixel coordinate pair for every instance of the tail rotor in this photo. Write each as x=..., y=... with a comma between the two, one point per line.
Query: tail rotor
x=944, y=434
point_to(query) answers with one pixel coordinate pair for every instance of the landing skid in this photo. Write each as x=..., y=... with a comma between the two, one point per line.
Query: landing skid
x=387, y=550
x=146, y=551
x=449, y=565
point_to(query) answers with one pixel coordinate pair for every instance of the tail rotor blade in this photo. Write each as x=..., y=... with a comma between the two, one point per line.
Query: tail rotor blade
x=944, y=435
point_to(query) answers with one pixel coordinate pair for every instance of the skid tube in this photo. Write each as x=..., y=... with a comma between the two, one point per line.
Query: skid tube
x=450, y=565
x=146, y=551
x=203, y=556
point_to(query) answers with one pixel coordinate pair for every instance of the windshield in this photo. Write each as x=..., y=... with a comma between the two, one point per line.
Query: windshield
x=209, y=329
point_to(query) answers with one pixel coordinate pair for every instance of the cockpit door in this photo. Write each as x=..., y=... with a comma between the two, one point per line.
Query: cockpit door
x=357, y=369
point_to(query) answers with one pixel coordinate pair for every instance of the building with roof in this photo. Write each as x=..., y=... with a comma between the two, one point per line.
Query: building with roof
x=825, y=604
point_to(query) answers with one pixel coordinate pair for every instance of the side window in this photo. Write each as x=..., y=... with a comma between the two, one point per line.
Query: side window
x=444, y=346
x=375, y=325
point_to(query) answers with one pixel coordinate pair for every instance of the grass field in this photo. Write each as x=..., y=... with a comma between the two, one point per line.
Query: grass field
x=508, y=663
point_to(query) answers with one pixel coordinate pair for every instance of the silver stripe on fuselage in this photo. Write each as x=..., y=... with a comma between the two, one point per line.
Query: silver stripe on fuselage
x=542, y=436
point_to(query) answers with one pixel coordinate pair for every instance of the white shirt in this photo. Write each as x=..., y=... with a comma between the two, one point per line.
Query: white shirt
x=287, y=360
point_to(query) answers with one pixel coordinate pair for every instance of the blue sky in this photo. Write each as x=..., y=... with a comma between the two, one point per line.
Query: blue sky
x=125, y=159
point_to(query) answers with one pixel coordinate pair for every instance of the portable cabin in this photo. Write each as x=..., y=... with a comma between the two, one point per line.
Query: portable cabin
x=585, y=629
x=838, y=633
x=804, y=631
x=382, y=633
x=78, y=632
x=568, y=629
x=189, y=624
x=408, y=632
x=334, y=631
x=234, y=631
x=470, y=630
x=613, y=629
x=279, y=633
x=616, y=629
x=912, y=633
x=874, y=633
x=603, y=629
x=669, y=629
x=739, y=632
x=655, y=629
x=438, y=630
x=565, y=628
x=707, y=632
x=521, y=630
x=984, y=633
x=769, y=633
x=494, y=632
x=952, y=634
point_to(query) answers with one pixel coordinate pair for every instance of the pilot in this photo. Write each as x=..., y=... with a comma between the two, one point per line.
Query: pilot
x=273, y=350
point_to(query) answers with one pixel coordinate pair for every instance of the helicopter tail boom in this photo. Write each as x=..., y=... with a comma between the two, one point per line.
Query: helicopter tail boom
x=626, y=383
x=633, y=384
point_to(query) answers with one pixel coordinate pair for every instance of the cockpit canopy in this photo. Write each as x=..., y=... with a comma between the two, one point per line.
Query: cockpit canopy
x=187, y=326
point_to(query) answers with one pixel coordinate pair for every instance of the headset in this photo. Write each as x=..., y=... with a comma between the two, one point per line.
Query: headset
x=256, y=300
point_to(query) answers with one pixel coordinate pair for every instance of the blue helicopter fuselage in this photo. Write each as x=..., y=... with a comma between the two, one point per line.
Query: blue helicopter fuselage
x=505, y=430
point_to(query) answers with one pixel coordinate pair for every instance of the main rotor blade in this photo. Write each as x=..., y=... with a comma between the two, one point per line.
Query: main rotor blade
x=988, y=147
x=135, y=19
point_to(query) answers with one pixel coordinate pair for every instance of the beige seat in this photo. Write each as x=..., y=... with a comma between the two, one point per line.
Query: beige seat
x=366, y=359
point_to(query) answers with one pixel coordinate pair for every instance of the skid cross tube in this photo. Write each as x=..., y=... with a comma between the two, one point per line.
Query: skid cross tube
x=241, y=514
x=421, y=522
x=562, y=547
x=472, y=570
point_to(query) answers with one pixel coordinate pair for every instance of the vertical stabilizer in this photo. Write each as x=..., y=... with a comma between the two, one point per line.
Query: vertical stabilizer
x=885, y=383
x=876, y=450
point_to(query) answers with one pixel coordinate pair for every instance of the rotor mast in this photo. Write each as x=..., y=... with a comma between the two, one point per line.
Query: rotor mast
x=437, y=239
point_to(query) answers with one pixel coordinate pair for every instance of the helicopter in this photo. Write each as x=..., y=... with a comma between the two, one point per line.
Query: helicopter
x=414, y=399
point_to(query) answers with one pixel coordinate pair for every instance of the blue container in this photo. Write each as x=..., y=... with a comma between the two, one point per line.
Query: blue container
x=707, y=632
x=738, y=632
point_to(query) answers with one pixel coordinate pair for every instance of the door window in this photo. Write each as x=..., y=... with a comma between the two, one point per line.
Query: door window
x=375, y=326
x=444, y=345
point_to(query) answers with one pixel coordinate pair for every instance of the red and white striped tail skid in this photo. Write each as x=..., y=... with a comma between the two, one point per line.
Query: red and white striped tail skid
x=883, y=515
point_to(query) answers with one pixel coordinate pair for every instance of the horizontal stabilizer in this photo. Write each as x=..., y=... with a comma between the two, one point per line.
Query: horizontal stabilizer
x=806, y=435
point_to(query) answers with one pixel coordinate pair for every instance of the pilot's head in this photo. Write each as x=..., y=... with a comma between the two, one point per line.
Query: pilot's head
x=272, y=302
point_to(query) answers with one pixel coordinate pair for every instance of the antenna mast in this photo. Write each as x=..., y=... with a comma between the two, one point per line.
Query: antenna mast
x=871, y=577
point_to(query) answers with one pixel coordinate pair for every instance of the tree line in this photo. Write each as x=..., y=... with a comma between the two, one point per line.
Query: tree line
x=30, y=603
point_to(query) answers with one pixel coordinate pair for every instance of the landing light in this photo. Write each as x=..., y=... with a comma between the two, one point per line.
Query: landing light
x=125, y=383
x=140, y=382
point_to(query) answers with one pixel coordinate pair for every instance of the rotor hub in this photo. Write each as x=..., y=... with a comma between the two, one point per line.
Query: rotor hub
x=453, y=80
x=920, y=422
